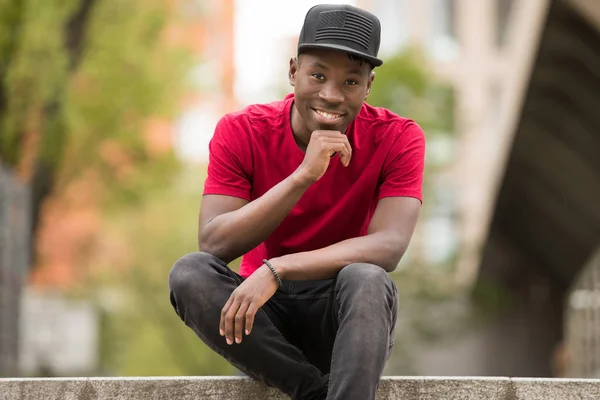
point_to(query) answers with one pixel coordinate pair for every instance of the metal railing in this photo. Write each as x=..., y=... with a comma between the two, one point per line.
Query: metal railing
x=14, y=260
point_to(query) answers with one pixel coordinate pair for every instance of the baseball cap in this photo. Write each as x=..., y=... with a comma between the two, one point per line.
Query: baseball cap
x=342, y=27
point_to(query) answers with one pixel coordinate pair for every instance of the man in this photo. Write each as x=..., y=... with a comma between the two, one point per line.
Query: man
x=320, y=193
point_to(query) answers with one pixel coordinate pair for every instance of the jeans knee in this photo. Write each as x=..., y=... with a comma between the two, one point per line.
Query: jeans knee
x=188, y=271
x=364, y=274
x=363, y=281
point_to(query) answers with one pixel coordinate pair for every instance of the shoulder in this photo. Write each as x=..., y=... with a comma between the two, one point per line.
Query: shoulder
x=386, y=125
x=252, y=118
x=238, y=134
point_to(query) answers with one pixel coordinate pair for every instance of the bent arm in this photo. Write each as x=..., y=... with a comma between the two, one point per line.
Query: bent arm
x=229, y=227
x=388, y=237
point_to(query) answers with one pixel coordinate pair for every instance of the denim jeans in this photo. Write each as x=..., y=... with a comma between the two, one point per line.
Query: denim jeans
x=315, y=339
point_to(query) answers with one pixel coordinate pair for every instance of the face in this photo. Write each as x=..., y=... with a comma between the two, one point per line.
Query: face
x=329, y=90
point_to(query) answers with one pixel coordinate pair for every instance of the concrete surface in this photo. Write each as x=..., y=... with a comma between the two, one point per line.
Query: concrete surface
x=230, y=388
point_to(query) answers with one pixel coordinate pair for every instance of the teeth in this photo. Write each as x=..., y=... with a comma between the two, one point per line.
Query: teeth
x=327, y=115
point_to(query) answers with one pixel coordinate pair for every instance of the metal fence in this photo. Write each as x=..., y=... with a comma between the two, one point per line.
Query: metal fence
x=14, y=261
x=582, y=329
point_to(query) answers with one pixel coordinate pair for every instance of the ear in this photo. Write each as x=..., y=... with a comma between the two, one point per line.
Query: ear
x=369, y=83
x=293, y=70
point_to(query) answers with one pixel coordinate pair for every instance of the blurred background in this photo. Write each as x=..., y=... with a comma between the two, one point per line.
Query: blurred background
x=106, y=111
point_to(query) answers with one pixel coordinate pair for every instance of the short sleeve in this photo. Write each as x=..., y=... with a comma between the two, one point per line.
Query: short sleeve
x=229, y=162
x=402, y=173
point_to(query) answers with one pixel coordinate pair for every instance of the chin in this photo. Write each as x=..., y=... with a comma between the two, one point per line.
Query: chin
x=341, y=127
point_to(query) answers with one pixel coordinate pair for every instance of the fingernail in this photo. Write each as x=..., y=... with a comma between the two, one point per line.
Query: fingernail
x=247, y=332
x=238, y=340
x=229, y=341
x=221, y=332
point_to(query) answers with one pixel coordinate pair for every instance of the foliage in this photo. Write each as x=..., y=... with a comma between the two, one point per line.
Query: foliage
x=143, y=335
x=85, y=89
x=79, y=80
x=405, y=86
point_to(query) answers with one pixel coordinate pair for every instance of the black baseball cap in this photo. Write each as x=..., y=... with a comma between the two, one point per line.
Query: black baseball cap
x=342, y=27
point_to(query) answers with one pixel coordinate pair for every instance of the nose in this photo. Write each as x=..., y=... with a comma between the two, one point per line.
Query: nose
x=331, y=94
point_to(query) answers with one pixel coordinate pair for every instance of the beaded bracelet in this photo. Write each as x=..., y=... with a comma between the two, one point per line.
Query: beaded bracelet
x=268, y=264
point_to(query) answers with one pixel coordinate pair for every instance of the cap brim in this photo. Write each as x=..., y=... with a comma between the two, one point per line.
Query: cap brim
x=373, y=60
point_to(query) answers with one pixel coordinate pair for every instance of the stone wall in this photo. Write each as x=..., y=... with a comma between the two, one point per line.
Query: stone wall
x=230, y=388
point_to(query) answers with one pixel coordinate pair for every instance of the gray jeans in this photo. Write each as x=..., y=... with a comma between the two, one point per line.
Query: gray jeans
x=312, y=340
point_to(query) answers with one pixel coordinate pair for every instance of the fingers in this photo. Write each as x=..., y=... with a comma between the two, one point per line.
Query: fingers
x=327, y=133
x=228, y=317
x=243, y=304
x=250, y=314
x=239, y=320
x=234, y=316
x=224, y=315
x=349, y=150
x=346, y=154
x=322, y=146
x=329, y=141
x=328, y=137
x=342, y=148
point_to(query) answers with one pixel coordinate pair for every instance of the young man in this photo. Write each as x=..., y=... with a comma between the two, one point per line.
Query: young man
x=320, y=193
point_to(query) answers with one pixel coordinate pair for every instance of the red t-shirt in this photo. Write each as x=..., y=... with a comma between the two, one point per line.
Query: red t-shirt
x=252, y=150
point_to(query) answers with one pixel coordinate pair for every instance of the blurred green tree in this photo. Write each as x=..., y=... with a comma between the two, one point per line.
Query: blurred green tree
x=406, y=86
x=143, y=335
x=80, y=76
x=83, y=83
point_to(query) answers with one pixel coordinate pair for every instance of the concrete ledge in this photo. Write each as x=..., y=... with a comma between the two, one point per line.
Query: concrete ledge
x=230, y=388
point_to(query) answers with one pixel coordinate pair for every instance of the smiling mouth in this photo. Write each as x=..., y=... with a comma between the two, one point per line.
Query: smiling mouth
x=328, y=116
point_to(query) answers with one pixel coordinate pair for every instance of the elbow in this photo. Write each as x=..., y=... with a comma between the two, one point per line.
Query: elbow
x=204, y=244
x=205, y=247
x=392, y=252
x=208, y=243
x=390, y=265
x=216, y=249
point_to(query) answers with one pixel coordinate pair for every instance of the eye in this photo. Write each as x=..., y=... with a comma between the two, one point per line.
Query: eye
x=351, y=82
x=318, y=76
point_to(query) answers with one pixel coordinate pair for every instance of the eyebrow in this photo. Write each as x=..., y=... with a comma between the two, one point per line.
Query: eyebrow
x=319, y=65
x=356, y=71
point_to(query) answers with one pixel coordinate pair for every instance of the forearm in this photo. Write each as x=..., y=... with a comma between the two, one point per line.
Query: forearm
x=378, y=248
x=232, y=234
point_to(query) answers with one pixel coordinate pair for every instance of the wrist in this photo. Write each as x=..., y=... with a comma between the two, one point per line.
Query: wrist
x=272, y=271
x=301, y=179
x=278, y=267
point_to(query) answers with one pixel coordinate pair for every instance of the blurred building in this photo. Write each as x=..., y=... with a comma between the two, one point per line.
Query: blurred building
x=578, y=353
x=468, y=44
x=525, y=182
x=14, y=262
x=543, y=234
x=211, y=36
